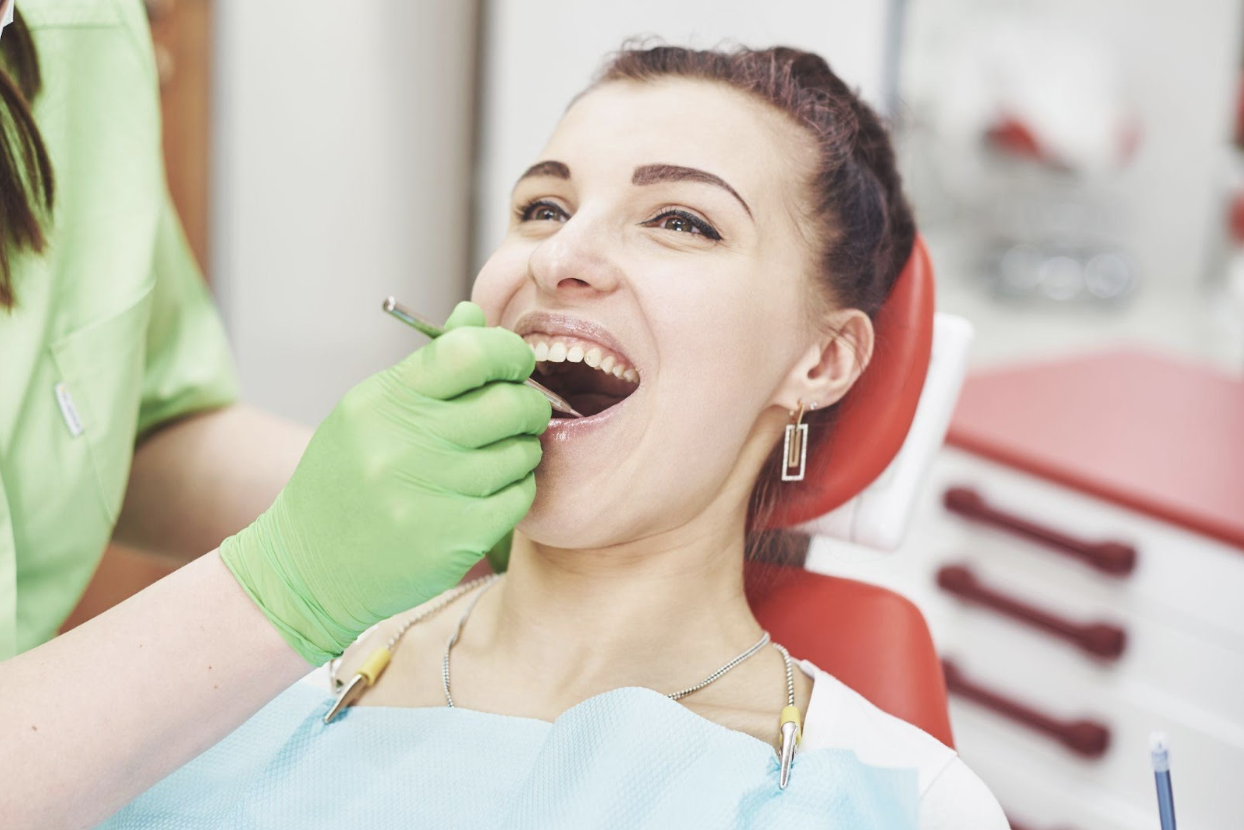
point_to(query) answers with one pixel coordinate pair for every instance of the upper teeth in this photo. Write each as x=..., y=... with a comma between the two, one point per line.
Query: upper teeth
x=549, y=349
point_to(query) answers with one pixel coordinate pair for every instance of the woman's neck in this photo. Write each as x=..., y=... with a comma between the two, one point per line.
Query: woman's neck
x=662, y=612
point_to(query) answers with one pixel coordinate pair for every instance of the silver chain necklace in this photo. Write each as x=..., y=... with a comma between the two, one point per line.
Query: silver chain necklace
x=488, y=582
x=791, y=720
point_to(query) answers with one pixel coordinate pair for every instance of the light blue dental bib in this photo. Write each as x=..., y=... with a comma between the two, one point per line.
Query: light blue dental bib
x=630, y=758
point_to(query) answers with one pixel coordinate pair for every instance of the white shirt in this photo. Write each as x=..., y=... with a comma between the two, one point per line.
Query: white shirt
x=951, y=796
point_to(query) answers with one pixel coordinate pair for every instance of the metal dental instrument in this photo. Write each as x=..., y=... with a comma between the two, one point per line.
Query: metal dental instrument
x=434, y=331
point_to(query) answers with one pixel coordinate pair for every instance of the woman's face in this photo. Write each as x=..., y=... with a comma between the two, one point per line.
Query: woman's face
x=655, y=264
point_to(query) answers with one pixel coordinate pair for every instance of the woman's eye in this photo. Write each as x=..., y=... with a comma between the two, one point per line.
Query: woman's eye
x=542, y=211
x=680, y=221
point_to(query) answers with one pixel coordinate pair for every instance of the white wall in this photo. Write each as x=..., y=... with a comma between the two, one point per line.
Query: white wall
x=342, y=135
x=540, y=54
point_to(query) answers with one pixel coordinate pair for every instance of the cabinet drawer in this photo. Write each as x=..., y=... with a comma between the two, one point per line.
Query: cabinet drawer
x=1180, y=578
x=1207, y=754
x=1044, y=798
x=1182, y=670
x=1156, y=661
x=1196, y=665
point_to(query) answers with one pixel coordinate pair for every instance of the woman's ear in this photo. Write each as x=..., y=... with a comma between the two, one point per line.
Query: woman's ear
x=831, y=364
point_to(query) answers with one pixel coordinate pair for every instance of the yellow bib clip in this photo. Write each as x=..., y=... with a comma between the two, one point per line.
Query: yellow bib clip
x=363, y=679
x=792, y=732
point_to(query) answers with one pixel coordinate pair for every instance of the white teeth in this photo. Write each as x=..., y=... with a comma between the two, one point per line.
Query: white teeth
x=594, y=356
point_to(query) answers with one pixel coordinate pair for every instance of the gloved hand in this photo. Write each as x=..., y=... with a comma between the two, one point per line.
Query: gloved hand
x=416, y=473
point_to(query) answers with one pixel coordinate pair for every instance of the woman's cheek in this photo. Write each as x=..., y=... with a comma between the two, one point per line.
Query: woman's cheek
x=492, y=304
x=498, y=281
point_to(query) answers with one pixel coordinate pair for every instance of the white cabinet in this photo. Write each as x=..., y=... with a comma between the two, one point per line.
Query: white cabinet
x=1181, y=669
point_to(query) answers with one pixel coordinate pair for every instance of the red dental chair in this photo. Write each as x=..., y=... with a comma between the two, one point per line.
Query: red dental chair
x=870, y=638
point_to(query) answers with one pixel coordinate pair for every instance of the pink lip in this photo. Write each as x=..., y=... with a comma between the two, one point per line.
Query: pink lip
x=543, y=322
x=563, y=429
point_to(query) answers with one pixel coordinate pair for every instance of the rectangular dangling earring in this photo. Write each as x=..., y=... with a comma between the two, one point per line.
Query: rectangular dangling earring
x=796, y=454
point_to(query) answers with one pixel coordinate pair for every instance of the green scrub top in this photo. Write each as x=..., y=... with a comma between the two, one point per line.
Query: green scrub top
x=114, y=332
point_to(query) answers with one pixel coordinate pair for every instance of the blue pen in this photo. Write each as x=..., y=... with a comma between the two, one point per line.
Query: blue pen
x=1160, y=757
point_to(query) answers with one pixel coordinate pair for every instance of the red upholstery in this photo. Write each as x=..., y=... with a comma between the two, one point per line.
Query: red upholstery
x=870, y=638
x=877, y=412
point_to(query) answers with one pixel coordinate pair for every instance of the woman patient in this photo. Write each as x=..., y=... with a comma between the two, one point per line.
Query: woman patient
x=695, y=256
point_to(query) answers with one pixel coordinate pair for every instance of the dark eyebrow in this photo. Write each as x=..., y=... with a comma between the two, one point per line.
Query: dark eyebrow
x=656, y=173
x=546, y=168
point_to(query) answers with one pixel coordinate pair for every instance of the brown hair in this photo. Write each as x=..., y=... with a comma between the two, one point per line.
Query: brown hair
x=861, y=219
x=26, y=185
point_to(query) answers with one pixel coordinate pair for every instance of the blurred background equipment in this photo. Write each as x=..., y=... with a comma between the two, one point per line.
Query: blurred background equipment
x=1068, y=162
x=1029, y=135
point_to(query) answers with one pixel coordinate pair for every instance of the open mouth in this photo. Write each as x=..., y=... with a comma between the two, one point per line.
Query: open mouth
x=591, y=377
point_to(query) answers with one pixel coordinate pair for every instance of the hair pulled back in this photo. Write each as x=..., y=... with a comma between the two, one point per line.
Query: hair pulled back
x=861, y=223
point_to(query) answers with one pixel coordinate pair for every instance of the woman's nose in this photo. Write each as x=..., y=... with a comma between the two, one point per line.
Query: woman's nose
x=576, y=260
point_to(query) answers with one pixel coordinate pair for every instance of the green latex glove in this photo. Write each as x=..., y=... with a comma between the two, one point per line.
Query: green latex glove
x=412, y=478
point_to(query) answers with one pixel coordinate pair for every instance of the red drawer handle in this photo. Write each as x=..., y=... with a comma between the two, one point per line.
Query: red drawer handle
x=1085, y=737
x=1100, y=639
x=1114, y=558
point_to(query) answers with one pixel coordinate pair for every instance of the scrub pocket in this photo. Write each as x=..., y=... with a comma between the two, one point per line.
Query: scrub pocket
x=101, y=366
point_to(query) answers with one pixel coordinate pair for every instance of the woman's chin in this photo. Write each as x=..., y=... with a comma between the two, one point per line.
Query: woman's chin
x=583, y=454
x=575, y=511
x=581, y=480
x=551, y=527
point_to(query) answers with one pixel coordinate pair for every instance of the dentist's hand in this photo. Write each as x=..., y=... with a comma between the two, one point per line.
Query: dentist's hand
x=409, y=481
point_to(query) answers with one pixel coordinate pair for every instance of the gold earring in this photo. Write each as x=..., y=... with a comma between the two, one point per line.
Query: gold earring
x=795, y=456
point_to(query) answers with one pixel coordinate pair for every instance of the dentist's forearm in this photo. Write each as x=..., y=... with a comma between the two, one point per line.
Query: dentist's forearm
x=203, y=478
x=100, y=714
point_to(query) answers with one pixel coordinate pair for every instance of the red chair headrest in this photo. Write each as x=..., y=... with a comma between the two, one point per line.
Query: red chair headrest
x=876, y=414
